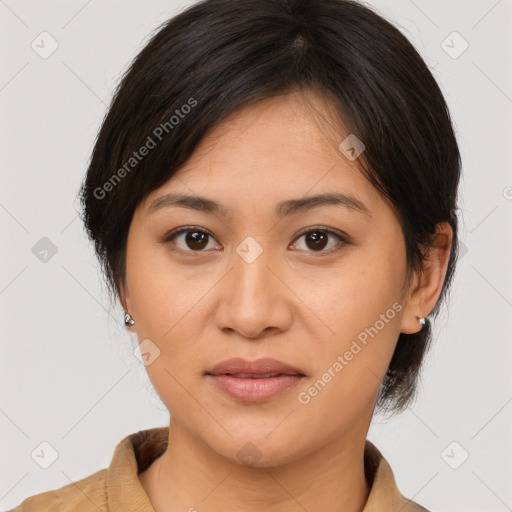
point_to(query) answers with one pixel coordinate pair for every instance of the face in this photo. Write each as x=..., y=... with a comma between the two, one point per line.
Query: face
x=269, y=273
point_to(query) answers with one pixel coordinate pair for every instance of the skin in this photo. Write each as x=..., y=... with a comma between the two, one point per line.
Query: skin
x=300, y=305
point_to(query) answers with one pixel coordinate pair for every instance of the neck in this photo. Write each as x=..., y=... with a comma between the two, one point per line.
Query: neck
x=191, y=476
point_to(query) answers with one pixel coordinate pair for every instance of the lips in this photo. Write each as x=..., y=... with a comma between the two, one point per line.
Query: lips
x=259, y=369
x=254, y=381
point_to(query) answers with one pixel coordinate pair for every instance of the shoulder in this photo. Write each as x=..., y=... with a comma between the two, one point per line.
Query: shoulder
x=116, y=487
x=385, y=496
x=88, y=494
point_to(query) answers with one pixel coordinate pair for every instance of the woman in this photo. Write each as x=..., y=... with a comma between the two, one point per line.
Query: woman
x=273, y=198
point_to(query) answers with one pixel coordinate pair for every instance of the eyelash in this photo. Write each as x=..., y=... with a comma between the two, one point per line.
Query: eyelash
x=343, y=239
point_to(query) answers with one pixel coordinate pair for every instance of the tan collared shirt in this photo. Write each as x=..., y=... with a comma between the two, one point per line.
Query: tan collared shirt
x=118, y=488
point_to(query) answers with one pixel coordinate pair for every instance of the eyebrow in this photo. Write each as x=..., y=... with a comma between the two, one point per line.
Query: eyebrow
x=283, y=208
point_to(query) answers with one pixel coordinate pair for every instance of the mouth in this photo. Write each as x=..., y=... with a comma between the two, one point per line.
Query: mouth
x=256, y=381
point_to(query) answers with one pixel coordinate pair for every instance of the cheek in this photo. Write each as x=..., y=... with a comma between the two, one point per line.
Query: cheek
x=360, y=310
x=353, y=296
x=171, y=310
x=164, y=295
x=351, y=363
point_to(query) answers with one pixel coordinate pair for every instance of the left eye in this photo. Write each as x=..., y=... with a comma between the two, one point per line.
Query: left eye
x=318, y=239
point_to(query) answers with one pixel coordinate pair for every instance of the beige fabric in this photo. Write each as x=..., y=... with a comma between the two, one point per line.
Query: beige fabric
x=118, y=489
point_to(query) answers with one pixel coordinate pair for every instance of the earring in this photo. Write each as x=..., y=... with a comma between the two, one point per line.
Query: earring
x=128, y=320
x=422, y=320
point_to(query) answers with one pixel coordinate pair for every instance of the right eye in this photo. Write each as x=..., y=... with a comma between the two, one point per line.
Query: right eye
x=191, y=238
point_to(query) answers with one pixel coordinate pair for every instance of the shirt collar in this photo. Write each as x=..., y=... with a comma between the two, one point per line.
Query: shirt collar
x=132, y=455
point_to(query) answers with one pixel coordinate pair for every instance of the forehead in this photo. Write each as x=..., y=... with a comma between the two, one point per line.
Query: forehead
x=285, y=146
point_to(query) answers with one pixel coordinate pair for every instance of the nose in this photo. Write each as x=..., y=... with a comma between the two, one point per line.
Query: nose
x=253, y=299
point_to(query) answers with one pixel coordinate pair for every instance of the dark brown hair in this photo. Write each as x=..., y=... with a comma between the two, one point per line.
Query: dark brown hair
x=218, y=56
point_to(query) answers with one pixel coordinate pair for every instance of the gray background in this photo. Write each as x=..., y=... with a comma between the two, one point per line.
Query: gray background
x=68, y=372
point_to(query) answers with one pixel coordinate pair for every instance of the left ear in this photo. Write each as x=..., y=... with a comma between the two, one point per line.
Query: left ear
x=427, y=284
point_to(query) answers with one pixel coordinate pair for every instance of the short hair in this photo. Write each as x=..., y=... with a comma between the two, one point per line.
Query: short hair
x=218, y=56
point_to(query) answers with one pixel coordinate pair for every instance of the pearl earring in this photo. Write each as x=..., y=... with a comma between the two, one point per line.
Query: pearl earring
x=422, y=320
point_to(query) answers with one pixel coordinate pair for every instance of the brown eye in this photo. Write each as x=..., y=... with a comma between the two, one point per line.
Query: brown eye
x=190, y=239
x=196, y=240
x=316, y=240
